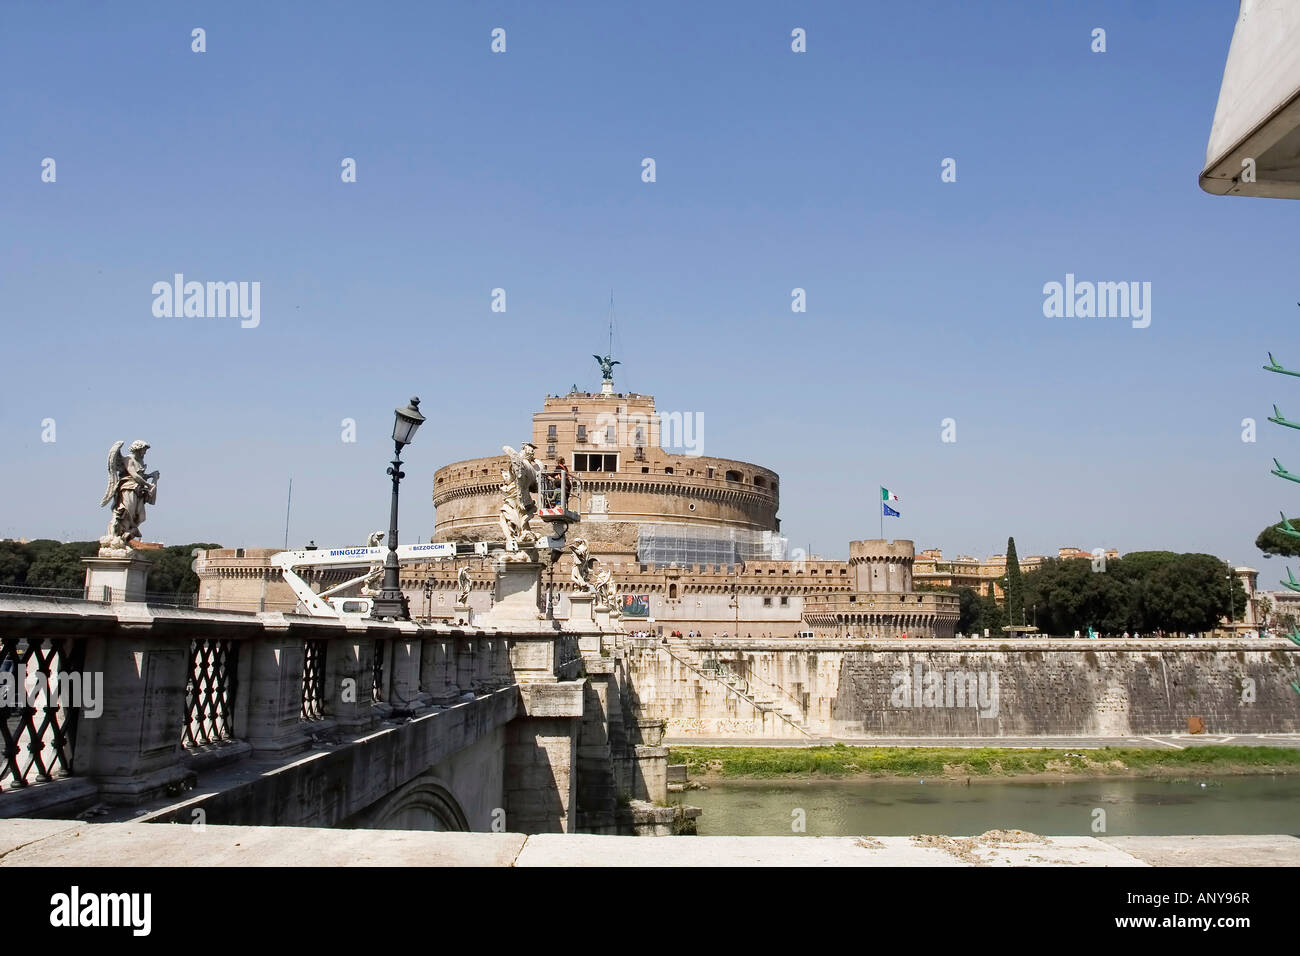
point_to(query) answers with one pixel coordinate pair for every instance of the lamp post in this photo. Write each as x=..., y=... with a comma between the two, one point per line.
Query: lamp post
x=1230, y=614
x=391, y=603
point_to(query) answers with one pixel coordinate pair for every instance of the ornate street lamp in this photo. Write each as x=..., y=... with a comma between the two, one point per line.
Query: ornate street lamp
x=391, y=603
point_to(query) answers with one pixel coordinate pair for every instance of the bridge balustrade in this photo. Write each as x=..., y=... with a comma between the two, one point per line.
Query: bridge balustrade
x=141, y=698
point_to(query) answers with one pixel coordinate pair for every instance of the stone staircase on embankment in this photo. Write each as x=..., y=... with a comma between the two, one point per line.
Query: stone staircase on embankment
x=765, y=700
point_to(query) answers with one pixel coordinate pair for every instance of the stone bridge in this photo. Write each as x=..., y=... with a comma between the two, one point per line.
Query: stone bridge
x=124, y=711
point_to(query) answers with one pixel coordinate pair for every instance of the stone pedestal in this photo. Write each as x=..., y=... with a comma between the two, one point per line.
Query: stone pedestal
x=580, y=608
x=117, y=579
x=518, y=589
x=463, y=614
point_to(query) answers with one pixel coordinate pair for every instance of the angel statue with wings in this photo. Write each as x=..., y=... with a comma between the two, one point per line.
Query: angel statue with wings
x=606, y=366
x=583, y=565
x=603, y=586
x=515, y=514
x=130, y=488
x=526, y=471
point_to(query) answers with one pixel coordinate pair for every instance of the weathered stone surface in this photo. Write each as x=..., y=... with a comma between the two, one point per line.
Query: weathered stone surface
x=62, y=843
x=1227, y=850
x=151, y=844
x=1044, y=687
x=563, y=699
x=586, y=850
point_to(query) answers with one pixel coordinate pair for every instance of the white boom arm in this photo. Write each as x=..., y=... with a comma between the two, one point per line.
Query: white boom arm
x=291, y=562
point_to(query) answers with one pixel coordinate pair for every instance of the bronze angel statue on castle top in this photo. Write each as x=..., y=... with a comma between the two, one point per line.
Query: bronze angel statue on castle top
x=606, y=366
x=130, y=488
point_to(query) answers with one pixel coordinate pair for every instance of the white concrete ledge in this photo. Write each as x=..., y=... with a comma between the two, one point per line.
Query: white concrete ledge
x=73, y=843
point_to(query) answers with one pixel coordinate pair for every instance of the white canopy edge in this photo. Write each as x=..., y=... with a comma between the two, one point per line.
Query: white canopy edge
x=1259, y=105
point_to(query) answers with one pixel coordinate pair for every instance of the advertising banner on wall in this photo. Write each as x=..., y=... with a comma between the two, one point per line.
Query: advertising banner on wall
x=636, y=605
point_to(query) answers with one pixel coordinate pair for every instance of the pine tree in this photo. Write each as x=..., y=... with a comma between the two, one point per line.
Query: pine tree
x=1015, y=590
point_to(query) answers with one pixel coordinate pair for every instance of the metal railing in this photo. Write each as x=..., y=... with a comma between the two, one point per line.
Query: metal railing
x=313, y=678
x=210, y=692
x=38, y=717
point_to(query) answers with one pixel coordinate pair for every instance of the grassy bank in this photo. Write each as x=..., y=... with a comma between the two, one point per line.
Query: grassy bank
x=840, y=760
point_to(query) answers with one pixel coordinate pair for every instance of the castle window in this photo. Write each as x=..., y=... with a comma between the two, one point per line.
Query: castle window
x=582, y=433
x=609, y=435
x=582, y=461
x=734, y=476
x=785, y=601
x=550, y=433
x=760, y=481
x=645, y=470
x=710, y=472
x=668, y=470
x=550, y=451
x=672, y=591
x=767, y=602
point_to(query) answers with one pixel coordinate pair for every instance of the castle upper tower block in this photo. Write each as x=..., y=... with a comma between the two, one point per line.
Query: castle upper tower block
x=647, y=489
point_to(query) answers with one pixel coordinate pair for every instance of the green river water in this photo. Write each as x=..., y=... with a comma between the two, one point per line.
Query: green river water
x=850, y=807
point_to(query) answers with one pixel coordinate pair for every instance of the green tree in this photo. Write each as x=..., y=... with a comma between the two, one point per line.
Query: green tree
x=56, y=566
x=59, y=568
x=1272, y=541
x=1015, y=593
x=1187, y=592
x=1069, y=595
x=968, y=615
x=171, y=574
x=15, y=559
x=978, y=612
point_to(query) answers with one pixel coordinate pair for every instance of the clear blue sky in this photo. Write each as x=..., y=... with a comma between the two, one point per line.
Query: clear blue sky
x=522, y=170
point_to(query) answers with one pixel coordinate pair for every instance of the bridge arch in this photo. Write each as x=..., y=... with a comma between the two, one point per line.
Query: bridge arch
x=425, y=803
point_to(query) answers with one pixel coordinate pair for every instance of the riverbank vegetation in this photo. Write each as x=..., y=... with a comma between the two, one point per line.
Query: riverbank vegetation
x=840, y=760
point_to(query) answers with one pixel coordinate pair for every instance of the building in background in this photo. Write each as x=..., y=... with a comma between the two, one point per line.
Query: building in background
x=693, y=541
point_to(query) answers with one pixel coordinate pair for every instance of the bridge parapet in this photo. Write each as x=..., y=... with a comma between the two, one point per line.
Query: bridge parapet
x=123, y=704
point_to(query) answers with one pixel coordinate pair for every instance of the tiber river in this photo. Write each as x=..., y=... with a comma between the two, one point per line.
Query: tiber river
x=852, y=807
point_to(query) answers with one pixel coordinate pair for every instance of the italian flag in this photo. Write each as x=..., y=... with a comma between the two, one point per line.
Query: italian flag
x=886, y=495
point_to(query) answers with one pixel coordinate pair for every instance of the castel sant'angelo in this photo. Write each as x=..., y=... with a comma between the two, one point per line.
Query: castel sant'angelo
x=693, y=541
